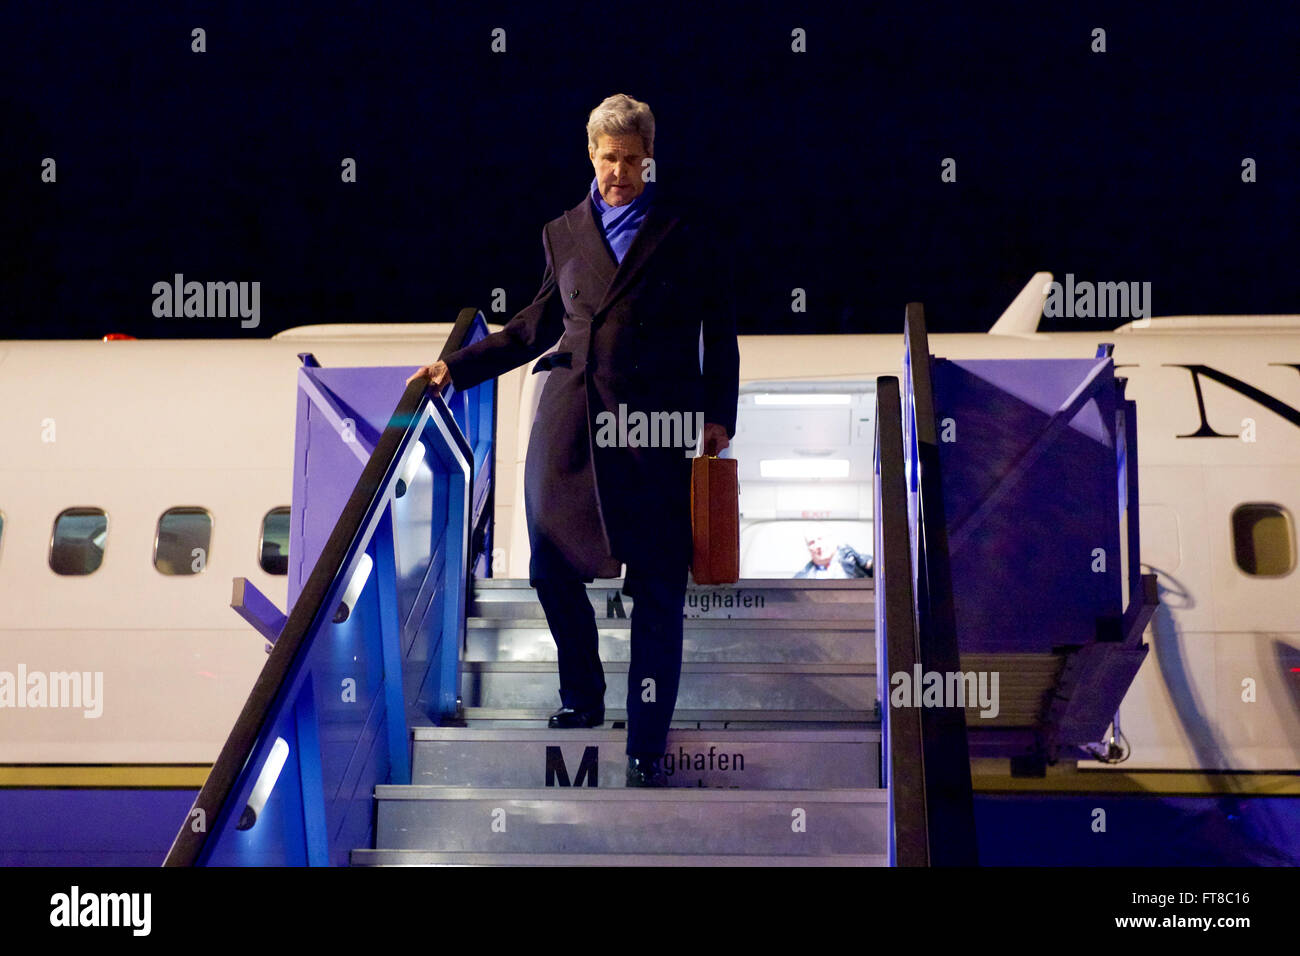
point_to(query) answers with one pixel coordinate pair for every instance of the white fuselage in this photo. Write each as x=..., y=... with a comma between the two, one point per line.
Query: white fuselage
x=137, y=427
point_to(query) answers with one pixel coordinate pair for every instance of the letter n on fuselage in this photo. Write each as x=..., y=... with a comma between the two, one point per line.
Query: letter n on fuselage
x=1256, y=395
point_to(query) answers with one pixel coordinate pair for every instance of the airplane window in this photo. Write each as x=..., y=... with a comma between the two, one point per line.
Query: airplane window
x=77, y=546
x=274, y=549
x=181, y=543
x=1264, y=539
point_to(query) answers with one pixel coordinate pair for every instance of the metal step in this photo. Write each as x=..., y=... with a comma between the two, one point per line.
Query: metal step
x=632, y=821
x=743, y=759
x=506, y=718
x=436, y=858
x=754, y=641
x=755, y=598
x=704, y=686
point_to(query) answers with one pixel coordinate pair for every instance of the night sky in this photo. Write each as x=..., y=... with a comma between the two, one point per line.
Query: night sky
x=820, y=169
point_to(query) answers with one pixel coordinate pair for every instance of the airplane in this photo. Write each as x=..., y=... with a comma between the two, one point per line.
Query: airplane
x=117, y=450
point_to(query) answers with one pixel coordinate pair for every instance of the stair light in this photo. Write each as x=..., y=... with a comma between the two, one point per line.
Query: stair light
x=412, y=466
x=265, y=783
x=353, y=591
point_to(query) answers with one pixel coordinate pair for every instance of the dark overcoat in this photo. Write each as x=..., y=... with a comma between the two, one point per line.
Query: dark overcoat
x=629, y=334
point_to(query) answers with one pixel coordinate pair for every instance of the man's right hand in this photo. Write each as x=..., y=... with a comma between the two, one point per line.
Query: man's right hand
x=437, y=373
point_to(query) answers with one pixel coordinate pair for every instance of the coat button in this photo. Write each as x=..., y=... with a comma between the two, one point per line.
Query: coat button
x=573, y=293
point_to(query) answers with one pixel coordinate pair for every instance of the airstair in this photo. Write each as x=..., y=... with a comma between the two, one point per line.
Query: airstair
x=774, y=755
x=400, y=718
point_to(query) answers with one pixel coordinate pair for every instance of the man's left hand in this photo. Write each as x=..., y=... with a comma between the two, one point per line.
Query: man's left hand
x=715, y=438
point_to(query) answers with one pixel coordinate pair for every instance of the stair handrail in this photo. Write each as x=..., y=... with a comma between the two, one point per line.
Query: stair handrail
x=902, y=754
x=282, y=697
x=950, y=807
x=476, y=413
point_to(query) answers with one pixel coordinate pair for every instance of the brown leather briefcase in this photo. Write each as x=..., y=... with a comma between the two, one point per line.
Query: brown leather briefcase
x=715, y=520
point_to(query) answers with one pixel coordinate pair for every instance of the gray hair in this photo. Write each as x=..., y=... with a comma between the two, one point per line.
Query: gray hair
x=620, y=113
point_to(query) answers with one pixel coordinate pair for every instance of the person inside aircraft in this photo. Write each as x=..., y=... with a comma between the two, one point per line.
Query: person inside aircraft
x=827, y=561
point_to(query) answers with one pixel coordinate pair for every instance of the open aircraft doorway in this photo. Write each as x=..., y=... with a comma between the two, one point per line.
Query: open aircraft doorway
x=805, y=451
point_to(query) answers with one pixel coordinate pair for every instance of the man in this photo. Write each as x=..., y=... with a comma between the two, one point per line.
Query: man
x=631, y=286
x=831, y=562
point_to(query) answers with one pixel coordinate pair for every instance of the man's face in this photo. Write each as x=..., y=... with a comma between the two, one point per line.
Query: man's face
x=617, y=161
x=820, y=552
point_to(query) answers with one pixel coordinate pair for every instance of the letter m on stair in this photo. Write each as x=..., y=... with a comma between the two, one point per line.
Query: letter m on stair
x=556, y=770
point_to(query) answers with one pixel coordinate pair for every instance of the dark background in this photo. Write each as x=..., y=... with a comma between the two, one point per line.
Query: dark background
x=823, y=168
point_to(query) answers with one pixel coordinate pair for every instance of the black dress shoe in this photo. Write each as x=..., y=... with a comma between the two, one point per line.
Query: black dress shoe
x=566, y=718
x=645, y=772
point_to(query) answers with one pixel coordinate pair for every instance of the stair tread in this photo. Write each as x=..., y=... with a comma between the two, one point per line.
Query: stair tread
x=861, y=668
x=532, y=734
x=866, y=796
x=686, y=716
x=470, y=858
x=810, y=584
x=727, y=623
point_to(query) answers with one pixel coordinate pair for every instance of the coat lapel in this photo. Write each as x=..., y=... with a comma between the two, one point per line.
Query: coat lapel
x=586, y=233
x=658, y=222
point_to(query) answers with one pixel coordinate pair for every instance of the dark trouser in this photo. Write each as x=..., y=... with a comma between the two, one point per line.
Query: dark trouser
x=656, y=665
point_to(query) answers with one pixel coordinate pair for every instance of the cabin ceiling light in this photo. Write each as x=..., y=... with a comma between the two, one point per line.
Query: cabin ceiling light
x=803, y=468
x=802, y=398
